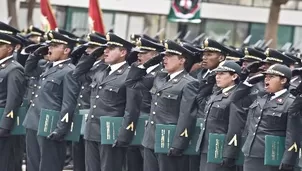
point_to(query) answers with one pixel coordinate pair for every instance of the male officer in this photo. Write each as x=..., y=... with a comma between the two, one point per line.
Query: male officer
x=272, y=114
x=94, y=41
x=147, y=50
x=173, y=96
x=55, y=92
x=11, y=94
x=34, y=34
x=108, y=98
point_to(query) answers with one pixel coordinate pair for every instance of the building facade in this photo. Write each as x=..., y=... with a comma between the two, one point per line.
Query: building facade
x=241, y=17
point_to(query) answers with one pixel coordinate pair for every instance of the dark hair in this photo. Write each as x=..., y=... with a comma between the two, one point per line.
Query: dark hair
x=237, y=80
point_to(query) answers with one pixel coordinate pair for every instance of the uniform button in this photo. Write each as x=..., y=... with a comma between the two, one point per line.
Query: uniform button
x=254, y=133
x=83, y=87
x=110, y=89
x=259, y=117
x=79, y=104
x=155, y=103
x=205, y=119
x=152, y=122
x=273, y=113
x=158, y=94
x=36, y=95
x=81, y=96
x=153, y=113
x=97, y=96
x=203, y=128
x=94, y=106
x=256, y=125
x=52, y=80
x=33, y=105
x=35, y=85
x=32, y=92
x=261, y=110
x=100, y=87
x=43, y=78
x=169, y=95
x=39, y=87
x=92, y=116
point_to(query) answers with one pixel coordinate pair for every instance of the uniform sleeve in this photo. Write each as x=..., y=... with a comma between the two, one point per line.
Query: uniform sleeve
x=132, y=113
x=237, y=120
x=15, y=92
x=293, y=137
x=71, y=90
x=32, y=68
x=187, y=116
x=83, y=67
x=135, y=78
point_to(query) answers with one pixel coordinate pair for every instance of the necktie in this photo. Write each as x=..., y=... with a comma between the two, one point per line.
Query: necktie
x=107, y=71
x=167, y=78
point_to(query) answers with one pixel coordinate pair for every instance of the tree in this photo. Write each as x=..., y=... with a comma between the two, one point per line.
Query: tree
x=271, y=30
x=12, y=12
x=30, y=8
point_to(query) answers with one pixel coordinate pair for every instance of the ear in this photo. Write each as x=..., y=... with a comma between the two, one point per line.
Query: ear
x=234, y=77
x=10, y=49
x=283, y=80
x=67, y=50
x=123, y=52
x=221, y=57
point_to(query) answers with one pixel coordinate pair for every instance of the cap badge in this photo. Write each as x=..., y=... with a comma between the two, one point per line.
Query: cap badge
x=166, y=45
x=246, y=51
x=138, y=42
x=108, y=37
x=206, y=42
x=267, y=52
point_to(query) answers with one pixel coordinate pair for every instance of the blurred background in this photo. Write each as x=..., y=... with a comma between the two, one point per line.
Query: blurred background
x=240, y=17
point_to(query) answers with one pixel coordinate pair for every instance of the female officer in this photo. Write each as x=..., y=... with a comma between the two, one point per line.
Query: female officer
x=272, y=114
x=217, y=111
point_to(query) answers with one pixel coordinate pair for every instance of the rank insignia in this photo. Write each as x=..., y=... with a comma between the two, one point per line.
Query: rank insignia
x=130, y=127
x=185, y=133
x=293, y=147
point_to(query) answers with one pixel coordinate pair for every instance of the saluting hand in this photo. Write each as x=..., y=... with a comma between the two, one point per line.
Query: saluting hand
x=98, y=52
x=153, y=61
x=255, y=79
x=78, y=51
x=297, y=71
x=41, y=51
x=32, y=48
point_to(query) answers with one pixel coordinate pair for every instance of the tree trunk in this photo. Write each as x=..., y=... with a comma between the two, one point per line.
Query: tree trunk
x=271, y=30
x=12, y=12
x=30, y=10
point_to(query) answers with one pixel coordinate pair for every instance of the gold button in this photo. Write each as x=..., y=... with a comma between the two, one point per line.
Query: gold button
x=32, y=92
x=169, y=96
x=94, y=106
x=79, y=104
x=155, y=103
x=33, y=105
x=35, y=85
x=259, y=117
x=100, y=87
x=36, y=95
x=153, y=113
x=81, y=96
x=97, y=96
x=83, y=87
x=39, y=87
x=158, y=94
x=43, y=78
x=52, y=80
x=152, y=122
x=92, y=116
x=110, y=89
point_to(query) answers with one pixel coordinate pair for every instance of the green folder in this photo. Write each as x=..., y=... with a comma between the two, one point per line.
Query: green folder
x=84, y=113
x=18, y=128
x=110, y=127
x=274, y=149
x=48, y=122
x=164, y=135
x=216, y=147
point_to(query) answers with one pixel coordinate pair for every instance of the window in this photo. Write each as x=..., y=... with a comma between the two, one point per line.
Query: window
x=285, y=33
x=262, y=3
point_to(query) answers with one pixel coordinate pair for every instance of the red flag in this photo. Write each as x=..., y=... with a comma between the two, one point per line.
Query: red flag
x=95, y=17
x=49, y=20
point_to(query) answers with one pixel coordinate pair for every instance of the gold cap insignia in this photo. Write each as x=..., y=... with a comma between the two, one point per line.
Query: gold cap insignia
x=246, y=51
x=267, y=52
x=50, y=35
x=138, y=42
x=31, y=28
x=88, y=37
x=132, y=36
x=166, y=45
x=206, y=42
x=108, y=37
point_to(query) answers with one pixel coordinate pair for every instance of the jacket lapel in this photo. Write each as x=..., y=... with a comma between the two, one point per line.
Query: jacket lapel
x=171, y=82
x=55, y=68
x=115, y=74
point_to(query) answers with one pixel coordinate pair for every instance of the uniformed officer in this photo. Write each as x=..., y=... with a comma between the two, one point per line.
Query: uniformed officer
x=251, y=55
x=55, y=92
x=147, y=50
x=276, y=57
x=34, y=34
x=12, y=89
x=271, y=115
x=94, y=41
x=173, y=97
x=296, y=79
x=217, y=111
x=108, y=98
